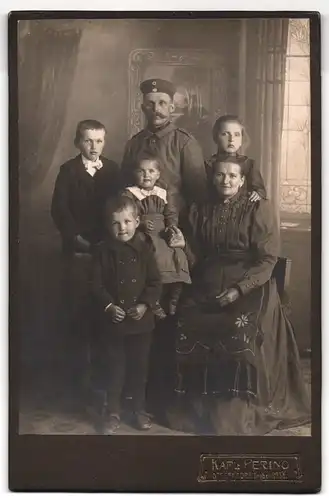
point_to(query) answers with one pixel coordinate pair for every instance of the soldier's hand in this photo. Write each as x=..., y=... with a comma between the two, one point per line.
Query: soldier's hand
x=117, y=314
x=254, y=196
x=176, y=239
x=137, y=312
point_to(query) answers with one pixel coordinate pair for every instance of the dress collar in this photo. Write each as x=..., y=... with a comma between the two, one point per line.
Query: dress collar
x=229, y=201
x=140, y=194
x=226, y=156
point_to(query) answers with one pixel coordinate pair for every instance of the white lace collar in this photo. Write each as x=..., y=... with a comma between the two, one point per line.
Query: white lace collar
x=141, y=194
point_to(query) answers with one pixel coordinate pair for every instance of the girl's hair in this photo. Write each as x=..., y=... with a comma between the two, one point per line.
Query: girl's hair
x=220, y=122
x=230, y=118
x=148, y=157
x=120, y=203
x=237, y=160
x=87, y=125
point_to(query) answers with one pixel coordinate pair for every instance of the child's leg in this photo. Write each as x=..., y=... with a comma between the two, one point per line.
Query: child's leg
x=171, y=293
x=159, y=311
x=138, y=352
x=116, y=359
x=174, y=296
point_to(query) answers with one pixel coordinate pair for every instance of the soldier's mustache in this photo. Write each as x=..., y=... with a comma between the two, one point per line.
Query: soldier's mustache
x=158, y=115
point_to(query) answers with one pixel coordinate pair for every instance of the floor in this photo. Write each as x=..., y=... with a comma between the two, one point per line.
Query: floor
x=44, y=411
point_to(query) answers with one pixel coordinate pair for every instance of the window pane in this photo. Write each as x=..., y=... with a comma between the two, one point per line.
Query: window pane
x=298, y=165
x=299, y=39
x=298, y=118
x=299, y=93
x=298, y=69
x=295, y=169
x=284, y=156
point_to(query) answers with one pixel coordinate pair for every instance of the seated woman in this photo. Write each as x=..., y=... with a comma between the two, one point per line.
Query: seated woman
x=238, y=366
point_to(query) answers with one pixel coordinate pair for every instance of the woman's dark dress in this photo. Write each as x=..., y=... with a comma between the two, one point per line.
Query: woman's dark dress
x=238, y=368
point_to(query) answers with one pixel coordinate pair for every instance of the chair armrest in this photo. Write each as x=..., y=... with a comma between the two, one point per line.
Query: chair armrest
x=281, y=273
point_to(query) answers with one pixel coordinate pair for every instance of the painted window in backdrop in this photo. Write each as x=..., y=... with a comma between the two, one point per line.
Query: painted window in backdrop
x=295, y=173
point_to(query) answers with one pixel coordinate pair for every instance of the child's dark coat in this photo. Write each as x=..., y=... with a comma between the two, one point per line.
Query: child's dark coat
x=126, y=274
x=78, y=200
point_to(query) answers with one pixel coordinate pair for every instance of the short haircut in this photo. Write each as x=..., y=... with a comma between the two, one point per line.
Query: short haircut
x=87, y=125
x=225, y=119
x=145, y=156
x=119, y=203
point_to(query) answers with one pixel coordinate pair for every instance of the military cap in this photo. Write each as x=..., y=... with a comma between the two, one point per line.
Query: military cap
x=157, y=85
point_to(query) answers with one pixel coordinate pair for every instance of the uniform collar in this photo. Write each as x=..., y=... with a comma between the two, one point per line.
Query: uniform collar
x=161, y=132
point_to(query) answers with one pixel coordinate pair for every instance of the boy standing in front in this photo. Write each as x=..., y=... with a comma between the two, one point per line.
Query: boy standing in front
x=126, y=286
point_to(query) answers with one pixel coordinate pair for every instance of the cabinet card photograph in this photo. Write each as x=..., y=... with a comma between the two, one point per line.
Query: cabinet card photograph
x=165, y=266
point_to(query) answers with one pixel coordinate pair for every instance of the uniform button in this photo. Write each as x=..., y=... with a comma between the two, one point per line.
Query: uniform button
x=121, y=262
x=122, y=301
x=122, y=281
x=133, y=280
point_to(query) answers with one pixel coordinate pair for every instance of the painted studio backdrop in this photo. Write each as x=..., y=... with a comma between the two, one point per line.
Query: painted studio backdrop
x=72, y=70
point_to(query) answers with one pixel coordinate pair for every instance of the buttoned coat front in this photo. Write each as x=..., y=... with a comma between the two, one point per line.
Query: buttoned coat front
x=126, y=274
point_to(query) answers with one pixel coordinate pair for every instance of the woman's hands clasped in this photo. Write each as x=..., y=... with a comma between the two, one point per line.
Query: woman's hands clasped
x=228, y=296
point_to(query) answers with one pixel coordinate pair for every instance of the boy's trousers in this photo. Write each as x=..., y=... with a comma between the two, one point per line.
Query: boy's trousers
x=120, y=366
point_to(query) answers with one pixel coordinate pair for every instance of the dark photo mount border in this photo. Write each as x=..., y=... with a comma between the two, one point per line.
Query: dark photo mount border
x=156, y=463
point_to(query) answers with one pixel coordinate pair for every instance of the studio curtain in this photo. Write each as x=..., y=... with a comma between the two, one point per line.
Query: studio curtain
x=47, y=61
x=266, y=49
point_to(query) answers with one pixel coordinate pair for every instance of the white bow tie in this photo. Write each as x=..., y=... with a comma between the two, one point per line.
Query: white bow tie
x=93, y=164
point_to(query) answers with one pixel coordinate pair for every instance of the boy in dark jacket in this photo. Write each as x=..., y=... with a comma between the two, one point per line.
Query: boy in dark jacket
x=82, y=186
x=126, y=286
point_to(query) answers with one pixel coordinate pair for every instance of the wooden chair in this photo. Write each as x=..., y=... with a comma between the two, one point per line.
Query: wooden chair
x=281, y=273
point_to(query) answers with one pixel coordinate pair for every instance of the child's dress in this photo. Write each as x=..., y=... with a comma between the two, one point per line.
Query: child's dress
x=155, y=206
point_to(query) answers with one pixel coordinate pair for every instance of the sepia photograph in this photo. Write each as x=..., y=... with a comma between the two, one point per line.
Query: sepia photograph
x=164, y=227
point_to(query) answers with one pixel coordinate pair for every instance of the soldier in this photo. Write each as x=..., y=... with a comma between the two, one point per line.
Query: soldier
x=184, y=171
